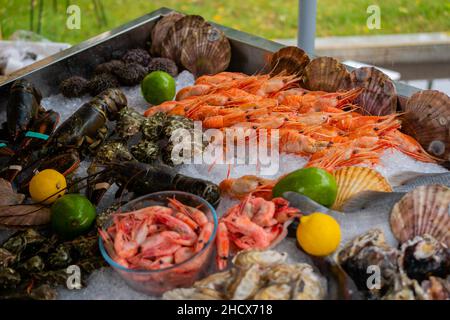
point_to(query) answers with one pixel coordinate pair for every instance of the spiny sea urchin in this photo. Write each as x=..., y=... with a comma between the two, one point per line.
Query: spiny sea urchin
x=130, y=74
x=101, y=82
x=73, y=87
x=163, y=64
x=139, y=56
x=108, y=67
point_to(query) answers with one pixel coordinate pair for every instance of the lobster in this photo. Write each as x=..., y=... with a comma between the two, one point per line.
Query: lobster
x=76, y=137
x=142, y=178
x=27, y=128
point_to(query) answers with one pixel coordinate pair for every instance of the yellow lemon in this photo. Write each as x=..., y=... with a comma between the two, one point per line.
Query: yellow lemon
x=45, y=185
x=318, y=234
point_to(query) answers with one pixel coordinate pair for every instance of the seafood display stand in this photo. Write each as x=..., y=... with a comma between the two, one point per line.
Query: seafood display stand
x=249, y=55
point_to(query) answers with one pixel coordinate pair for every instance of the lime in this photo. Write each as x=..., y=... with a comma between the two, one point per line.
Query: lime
x=72, y=215
x=157, y=87
x=47, y=186
x=318, y=234
x=314, y=183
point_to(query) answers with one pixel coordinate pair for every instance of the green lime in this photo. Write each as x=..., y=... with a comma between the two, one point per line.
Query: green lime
x=157, y=87
x=72, y=215
x=314, y=183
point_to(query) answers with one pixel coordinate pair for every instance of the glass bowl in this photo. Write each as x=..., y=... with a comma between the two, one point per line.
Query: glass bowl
x=156, y=282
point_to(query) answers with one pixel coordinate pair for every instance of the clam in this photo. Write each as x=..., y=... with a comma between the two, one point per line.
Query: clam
x=425, y=210
x=427, y=119
x=353, y=180
x=290, y=60
x=379, y=96
x=160, y=30
x=326, y=74
x=423, y=257
x=207, y=51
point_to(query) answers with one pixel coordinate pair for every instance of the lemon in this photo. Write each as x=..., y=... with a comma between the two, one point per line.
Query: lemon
x=157, y=87
x=318, y=234
x=45, y=185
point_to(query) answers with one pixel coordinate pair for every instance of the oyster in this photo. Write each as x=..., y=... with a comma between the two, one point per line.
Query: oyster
x=129, y=122
x=422, y=211
x=326, y=74
x=309, y=286
x=113, y=151
x=145, y=151
x=6, y=258
x=245, y=284
x=379, y=96
x=274, y=292
x=265, y=259
x=290, y=60
x=369, y=249
x=353, y=180
x=427, y=118
x=423, y=257
x=152, y=127
x=33, y=264
x=257, y=275
x=437, y=288
x=9, y=278
x=192, y=294
x=404, y=288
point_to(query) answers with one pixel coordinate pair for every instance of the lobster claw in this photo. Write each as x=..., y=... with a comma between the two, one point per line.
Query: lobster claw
x=98, y=184
x=34, y=139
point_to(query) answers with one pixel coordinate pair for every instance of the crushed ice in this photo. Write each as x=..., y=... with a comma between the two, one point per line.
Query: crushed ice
x=105, y=284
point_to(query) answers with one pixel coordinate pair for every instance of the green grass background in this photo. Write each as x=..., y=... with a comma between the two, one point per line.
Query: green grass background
x=267, y=18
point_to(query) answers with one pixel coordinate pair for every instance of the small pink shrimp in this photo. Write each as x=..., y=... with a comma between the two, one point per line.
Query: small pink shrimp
x=204, y=236
x=223, y=246
x=183, y=254
x=195, y=214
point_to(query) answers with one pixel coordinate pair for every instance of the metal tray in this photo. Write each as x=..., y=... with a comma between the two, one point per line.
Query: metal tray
x=249, y=54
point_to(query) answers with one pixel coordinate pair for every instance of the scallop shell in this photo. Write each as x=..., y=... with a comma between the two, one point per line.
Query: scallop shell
x=425, y=210
x=207, y=51
x=352, y=180
x=379, y=96
x=291, y=60
x=427, y=118
x=326, y=74
x=159, y=31
x=181, y=30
